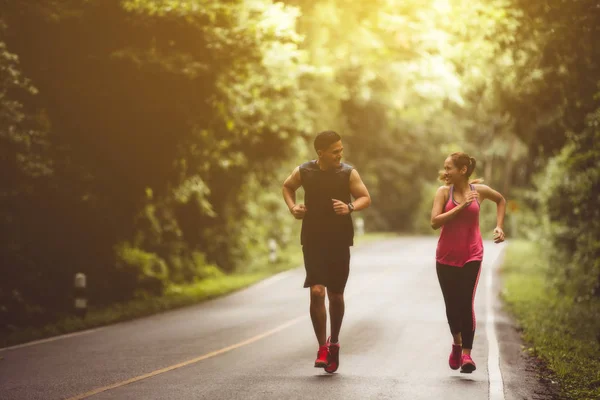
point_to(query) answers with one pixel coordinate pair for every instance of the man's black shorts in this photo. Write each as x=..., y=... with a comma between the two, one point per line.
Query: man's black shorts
x=327, y=265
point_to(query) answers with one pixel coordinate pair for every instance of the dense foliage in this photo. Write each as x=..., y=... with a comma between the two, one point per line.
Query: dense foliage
x=569, y=193
x=162, y=129
x=144, y=142
x=560, y=118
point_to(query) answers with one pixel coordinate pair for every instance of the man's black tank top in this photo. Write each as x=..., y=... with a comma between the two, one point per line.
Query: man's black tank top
x=321, y=225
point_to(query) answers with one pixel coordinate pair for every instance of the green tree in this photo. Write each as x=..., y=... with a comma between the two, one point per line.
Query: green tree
x=25, y=163
x=158, y=125
x=568, y=193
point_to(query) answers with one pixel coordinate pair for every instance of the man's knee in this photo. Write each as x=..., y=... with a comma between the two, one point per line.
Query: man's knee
x=317, y=293
x=335, y=298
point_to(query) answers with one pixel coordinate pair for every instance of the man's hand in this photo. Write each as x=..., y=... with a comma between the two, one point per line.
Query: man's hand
x=298, y=211
x=340, y=207
x=498, y=235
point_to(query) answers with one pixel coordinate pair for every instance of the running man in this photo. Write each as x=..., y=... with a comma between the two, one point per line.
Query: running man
x=460, y=250
x=327, y=234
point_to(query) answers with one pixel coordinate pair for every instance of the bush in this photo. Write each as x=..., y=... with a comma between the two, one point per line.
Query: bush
x=568, y=194
x=265, y=218
x=557, y=328
x=147, y=272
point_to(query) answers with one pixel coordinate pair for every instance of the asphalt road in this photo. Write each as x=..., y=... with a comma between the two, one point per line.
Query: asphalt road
x=258, y=343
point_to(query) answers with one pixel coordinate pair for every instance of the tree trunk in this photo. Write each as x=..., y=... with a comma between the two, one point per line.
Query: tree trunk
x=487, y=172
x=510, y=162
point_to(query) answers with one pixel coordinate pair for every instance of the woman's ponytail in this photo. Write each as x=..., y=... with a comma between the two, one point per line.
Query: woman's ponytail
x=471, y=168
x=461, y=160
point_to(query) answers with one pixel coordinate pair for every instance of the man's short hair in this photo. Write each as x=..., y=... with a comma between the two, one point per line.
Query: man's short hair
x=326, y=139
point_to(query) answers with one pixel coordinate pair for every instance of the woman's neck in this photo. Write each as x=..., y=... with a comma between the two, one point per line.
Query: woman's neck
x=461, y=186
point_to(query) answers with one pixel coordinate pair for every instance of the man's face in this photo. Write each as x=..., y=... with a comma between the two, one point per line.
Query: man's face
x=332, y=156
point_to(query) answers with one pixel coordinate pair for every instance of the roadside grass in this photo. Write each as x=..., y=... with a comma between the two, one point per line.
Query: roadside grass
x=175, y=296
x=561, y=331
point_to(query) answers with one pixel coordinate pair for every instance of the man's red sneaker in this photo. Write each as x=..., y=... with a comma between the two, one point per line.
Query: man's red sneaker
x=334, y=356
x=455, y=356
x=322, y=357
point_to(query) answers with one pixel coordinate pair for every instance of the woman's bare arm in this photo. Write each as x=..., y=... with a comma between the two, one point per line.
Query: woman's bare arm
x=438, y=216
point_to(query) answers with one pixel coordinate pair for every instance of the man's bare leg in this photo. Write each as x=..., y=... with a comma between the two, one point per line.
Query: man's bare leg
x=318, y=313
x=336, y=313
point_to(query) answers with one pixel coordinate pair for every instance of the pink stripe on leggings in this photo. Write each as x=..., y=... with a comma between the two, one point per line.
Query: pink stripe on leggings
x=473, y=299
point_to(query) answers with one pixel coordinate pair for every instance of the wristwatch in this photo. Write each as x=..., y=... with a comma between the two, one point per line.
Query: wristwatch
x=350, y=207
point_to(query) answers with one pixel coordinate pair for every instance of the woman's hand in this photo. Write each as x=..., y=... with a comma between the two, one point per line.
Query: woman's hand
x=498, y=235
x=473, y=195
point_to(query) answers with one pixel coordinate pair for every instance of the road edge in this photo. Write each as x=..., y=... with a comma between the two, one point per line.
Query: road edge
x=521, y=372
x=495, y=376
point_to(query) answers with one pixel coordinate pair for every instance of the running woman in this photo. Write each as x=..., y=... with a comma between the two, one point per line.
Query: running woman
x=460, y=249
x=327, y=234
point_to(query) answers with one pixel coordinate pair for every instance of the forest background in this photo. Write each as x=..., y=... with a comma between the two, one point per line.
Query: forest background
x=144, y=142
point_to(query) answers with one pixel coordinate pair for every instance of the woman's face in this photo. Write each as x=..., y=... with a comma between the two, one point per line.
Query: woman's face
x=451, y=173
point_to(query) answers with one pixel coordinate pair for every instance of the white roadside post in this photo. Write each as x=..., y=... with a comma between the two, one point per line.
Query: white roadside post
x=80, y=295
x=513, y=208
x=360, y=226
x=272, y=250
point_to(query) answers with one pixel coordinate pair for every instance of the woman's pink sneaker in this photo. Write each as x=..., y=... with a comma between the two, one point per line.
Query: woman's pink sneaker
x=467, y=364
x=455, y=356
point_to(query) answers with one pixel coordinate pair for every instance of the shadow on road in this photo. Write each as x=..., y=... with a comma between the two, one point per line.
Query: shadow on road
x=463, y=380
x=326, y=376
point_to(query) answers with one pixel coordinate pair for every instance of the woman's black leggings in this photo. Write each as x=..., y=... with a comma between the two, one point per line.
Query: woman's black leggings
x=458, y=287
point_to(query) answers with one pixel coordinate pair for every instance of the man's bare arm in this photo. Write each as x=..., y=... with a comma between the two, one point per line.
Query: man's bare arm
x=359, y=191
x=290, y=185
x=362, y=198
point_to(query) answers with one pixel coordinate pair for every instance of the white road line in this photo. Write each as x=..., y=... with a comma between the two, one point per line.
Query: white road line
x=190, y=362
x=273, y=279
x=370, y=284
x=496, y=388
x=52, y=339
x=264, y=283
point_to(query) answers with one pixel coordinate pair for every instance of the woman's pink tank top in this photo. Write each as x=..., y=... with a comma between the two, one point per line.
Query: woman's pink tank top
x=460, y=239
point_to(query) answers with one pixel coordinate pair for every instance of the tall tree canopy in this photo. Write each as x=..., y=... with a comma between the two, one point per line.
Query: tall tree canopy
x=144, y=142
